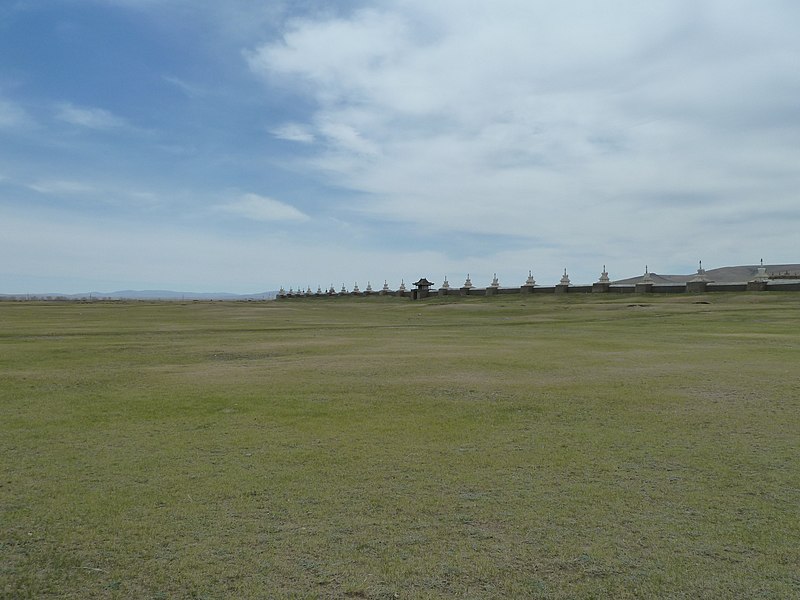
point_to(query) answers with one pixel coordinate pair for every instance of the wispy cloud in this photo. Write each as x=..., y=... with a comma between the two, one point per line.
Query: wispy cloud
x=92, y=118
x=262, y=208
x=61, y=187
x=108, y=193
x=294, y=132
x=189, y=89
x=12, y=115
x=346, y=137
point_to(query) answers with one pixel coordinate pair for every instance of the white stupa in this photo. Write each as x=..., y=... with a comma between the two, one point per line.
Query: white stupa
x=564, y=278
x=701, y=274
x=385, y=286
x=761, y=273
x=446, y=284
x=495, y=282
x=647, y=278
x=467, y=282
x=604, y=276
x=402, y=287
x=530, y=281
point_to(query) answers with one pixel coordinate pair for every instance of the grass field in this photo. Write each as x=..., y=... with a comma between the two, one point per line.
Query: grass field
x=549, y=447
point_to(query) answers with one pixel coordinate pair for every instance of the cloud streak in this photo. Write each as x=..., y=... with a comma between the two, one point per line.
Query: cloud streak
x=91, y=118
x=261, y=208
x=62, y=187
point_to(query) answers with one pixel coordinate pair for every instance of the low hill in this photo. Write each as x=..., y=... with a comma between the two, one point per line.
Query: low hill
x=736, y=274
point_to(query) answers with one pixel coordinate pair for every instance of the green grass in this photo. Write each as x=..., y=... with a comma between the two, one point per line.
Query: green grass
x=543, y=447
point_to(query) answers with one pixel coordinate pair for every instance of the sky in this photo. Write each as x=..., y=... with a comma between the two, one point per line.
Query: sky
x=248, y=145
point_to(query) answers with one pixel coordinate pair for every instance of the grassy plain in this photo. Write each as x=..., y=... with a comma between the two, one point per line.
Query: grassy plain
x=546, y=447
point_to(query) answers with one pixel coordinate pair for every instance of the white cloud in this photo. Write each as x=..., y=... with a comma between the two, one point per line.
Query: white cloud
x=92, y=118
x=294, y=132
x=562, y=121
x=261, y=208
x=347, y=138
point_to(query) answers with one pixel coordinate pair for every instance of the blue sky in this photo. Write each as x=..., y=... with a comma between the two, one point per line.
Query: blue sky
x=243, y=146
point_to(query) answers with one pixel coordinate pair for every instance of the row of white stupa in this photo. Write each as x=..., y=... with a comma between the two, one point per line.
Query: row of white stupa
x=761, y=275
x=530, y=281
